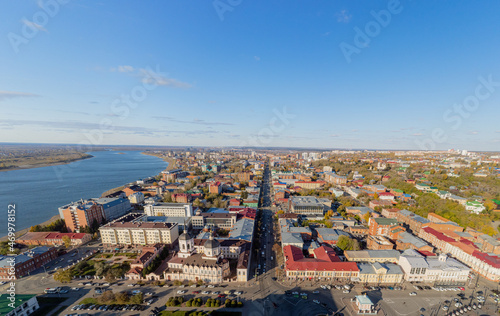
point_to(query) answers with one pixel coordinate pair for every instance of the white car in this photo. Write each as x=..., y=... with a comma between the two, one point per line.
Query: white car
x=75, y=289
x=238, y=293
x=413, y=293
x=205, y=292
x=316, y=301
x=210, y=286
x=181, y=292
x=345, y=291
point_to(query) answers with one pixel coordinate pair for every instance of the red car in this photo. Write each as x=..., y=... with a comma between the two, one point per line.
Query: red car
x=222, y=295
x=196, y=292
x=462, y=289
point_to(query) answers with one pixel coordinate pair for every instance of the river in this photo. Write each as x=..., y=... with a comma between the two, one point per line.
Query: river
x=38, y=192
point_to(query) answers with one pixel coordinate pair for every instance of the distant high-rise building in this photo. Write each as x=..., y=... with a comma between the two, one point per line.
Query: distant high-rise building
x=78, y=215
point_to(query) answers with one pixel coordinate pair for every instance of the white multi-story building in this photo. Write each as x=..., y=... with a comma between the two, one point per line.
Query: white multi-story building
x=439, y=270
x=169, y=209
x=119, y=233
x=136, y=198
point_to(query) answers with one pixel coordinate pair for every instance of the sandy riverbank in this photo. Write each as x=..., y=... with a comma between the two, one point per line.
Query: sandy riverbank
x=171, y=162
x=21, y=232
x=32, y=166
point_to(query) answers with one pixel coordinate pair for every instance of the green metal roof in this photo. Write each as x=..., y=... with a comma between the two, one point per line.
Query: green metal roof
x=20, y=299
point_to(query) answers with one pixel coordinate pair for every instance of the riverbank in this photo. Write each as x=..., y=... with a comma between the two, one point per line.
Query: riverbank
x=172, y=164
x=24, y=231
x=34, y=164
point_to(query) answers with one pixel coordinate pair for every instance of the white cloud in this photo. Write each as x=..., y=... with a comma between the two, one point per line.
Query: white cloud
x=13, y=94
x=150, y=77
x=33, y=25
x=257, y=58
x=418, y=134
x=474, y=133
x=125, y=68
x=343, y=16
x=334, y=135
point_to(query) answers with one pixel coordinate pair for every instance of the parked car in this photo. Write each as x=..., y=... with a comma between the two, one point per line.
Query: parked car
x=413, y=293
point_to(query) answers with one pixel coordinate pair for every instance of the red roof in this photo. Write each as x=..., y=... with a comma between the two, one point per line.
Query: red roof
x=438, y=235
x=385, y=194
x=486, y=258
x=325, y=260
x=426, y=253
x=61, y=235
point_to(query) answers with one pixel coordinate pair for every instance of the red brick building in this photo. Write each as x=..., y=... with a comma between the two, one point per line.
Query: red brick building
x=215, y=188
x=52, y=238
x=381, y=225
x=22, y=264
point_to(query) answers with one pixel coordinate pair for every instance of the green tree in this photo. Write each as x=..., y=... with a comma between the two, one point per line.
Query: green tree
x=137, y=299
x=100, y=267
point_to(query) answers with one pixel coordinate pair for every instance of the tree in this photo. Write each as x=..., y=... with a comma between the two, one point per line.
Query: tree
x=244, y=195
x=63, y=276
x=137, y=299
x=346, y=243
x=122, y=298
x=366, y=217
x=110, y=276
x=197, y=203
x=375, y=196
x=329, y=214
x=100, y=267
x=107, y=296
x=67, y=241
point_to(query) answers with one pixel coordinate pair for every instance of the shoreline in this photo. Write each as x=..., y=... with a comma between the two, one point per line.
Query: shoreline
x=25, y=230
x=171, y=162
x=171, y=165
x=23, y=167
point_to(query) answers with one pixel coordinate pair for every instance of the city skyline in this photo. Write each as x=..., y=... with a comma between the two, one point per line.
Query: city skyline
x=384, y=75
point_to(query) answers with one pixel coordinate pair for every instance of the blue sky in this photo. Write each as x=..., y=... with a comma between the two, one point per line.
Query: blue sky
x=221, y=73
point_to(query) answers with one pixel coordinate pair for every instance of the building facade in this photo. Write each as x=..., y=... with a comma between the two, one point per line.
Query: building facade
x=169, y=209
